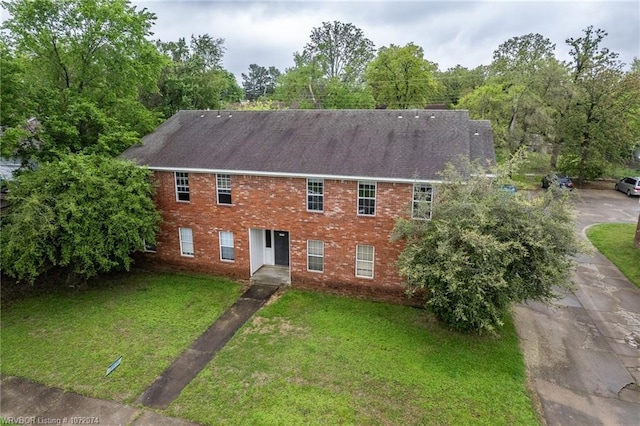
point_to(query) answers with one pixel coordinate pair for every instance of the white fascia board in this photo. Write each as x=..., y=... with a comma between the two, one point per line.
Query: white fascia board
x=292, y=175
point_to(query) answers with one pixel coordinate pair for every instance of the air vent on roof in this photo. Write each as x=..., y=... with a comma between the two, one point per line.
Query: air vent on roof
x=476, y=133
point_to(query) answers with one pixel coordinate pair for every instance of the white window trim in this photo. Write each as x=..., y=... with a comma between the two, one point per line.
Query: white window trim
x=373, y=254
x=218, y=190
x=413, y=201
x=175, y=184
x=322, y=195
x=375, y=198
x=233, y=241
x=148, y=249
x=182, y=251
x=315, y=255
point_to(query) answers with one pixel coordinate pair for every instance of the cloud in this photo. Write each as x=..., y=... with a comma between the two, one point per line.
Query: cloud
x=451, y=33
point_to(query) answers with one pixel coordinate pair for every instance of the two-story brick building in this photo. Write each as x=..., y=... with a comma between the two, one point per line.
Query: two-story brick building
x=315, y=191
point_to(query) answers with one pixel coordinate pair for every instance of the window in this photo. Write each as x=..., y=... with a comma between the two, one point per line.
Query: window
x=150, y=248
x=224, y=189
x=367, y=198
x=182, y=186
x=267, y=238
x=364, y=261
x=226, y=246
x=422, y=196
x=315, y=195
x=315, y=255
x=186, y=242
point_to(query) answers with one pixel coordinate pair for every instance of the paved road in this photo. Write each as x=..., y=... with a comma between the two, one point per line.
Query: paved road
x=580, y=351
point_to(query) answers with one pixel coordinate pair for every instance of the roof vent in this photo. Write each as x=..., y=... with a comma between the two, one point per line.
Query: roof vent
x=230, y=115
x=399, y=115
x=218, y=116
x=476, y=133
x=433, y=115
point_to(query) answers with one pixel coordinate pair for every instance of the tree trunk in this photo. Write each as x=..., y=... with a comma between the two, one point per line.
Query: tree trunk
x=555, y=152
x=638, y=233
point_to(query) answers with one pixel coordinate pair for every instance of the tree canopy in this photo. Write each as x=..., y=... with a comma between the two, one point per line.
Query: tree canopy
x=485, y=248
x=85, y=214
x=84, y=61
x=340, y=50
x=260, y=81
x=193, y=77
x=400, y=77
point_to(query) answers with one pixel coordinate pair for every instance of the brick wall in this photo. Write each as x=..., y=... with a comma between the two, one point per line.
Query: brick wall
x=280, y=204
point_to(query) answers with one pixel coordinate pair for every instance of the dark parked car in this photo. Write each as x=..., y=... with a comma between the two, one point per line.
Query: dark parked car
x=629, y=185
x=563, y=181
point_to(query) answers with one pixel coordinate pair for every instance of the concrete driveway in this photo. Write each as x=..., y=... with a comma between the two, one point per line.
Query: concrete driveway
x=582, y=352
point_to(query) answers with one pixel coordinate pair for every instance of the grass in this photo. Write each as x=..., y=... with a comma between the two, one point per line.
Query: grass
x=312, y=358
x=68, y=339
x=615, y=242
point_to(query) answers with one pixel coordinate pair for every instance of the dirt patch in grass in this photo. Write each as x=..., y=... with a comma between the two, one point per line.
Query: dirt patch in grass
x=282, y=326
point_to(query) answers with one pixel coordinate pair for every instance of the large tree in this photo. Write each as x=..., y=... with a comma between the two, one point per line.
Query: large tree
x=485, y=248
x=83, y=214
x=259, y=82
x=340, y=51
x=193, y=77
x=529, y=83
x=598, y=130
x=304, y=86
x=85, y=61
x=400, y=77
x=460, y=81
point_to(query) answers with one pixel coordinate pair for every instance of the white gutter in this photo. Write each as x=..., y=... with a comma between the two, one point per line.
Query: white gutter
x=291, y=175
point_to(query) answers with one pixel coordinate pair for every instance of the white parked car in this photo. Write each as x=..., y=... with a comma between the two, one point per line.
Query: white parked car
x=629, y=185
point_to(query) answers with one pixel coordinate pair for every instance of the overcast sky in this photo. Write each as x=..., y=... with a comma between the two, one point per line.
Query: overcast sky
x=450, y=32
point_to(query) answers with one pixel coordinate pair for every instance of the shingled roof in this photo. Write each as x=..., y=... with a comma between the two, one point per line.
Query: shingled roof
x=342, y=143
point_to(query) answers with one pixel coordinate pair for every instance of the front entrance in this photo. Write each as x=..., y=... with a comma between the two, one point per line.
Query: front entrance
x=281, y=247
x=268, y=248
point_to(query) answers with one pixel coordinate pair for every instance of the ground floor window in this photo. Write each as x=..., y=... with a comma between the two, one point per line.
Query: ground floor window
x=364, y=261
x=186, y=242
x=315, y=255
x=226, y=246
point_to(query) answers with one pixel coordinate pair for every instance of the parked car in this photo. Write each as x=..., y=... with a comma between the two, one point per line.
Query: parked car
x=511, y=189
x=563, y=181
x=629, y=185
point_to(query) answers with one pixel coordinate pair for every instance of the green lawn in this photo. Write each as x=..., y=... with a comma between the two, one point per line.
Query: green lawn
x=615, y=241
x=68, y=339
x=312, y=358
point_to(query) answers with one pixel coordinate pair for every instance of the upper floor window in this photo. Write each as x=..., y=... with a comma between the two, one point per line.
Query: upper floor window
x=186, y=242
x=422, y=197
x=182, y=186
x=227, y=251
x=315, y=255
x=364, y=261
x=224, y=189
x=315, y=195
x=367, y=198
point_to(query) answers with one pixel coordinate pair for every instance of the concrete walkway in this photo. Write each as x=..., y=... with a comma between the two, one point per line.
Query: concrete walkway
x=168, y=386
x=26, y=402
x=582, y=351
